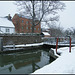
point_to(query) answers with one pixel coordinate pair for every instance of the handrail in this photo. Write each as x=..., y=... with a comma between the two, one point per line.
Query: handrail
x=69, y=44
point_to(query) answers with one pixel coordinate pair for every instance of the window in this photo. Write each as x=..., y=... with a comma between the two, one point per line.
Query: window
x=30, y=22
x=27, y=27
x=35, y=28
x=7, y=30
x=26, y=22
x=22, y=21
x=22, y=27
x=38, y=29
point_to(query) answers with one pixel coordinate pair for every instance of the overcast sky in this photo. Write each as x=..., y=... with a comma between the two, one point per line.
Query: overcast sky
x=67, y=17
x=7, y=7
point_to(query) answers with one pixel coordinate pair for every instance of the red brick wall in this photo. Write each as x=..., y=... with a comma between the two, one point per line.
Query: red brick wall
x=15, y=21
x=21, y=27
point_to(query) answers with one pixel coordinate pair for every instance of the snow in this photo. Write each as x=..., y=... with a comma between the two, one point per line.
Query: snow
x=64, y=64
x=19, y=47
x=46, y=33
x=24, y=45
x=4, y=22
x=1, y=32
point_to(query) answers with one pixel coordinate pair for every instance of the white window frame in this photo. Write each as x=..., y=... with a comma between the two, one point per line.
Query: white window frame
x=7, y=30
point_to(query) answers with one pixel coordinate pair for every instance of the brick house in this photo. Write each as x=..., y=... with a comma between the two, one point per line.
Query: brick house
x=23, y=24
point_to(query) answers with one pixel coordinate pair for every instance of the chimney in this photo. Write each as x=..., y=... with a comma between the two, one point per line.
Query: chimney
x=9, y=17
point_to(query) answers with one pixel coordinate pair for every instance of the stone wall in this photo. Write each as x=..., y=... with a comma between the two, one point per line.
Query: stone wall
x=20, y=39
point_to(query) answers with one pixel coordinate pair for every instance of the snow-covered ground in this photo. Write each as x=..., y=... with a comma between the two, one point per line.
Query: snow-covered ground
x=65, y=64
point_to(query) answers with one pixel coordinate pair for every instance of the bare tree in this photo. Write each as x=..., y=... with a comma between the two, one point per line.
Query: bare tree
x=39, y=9
x=56, y=31
x=69, y=32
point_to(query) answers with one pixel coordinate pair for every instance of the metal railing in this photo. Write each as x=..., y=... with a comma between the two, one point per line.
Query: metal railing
x=59, y=41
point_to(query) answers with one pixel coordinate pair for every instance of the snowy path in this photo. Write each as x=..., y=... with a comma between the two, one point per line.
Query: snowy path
x=65, y=64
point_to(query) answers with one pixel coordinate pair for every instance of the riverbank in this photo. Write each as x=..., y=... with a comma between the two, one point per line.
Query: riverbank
x=65, y=64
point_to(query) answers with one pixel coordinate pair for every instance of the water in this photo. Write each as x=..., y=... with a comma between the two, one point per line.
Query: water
x=25, y=62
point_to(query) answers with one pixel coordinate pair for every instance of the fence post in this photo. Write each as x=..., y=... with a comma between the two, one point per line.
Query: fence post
x=56, y=45
x=13, y=46
x=1, y=44
x=70, y=45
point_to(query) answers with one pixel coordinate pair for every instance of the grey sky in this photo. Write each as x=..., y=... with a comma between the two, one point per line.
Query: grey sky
x=67, y=17
x=7, y=7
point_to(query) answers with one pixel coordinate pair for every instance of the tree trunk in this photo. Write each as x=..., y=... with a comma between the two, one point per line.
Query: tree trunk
x=33, y=18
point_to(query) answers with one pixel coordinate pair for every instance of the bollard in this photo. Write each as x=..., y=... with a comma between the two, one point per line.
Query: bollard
x=1, y=44
x=56, y=45
x=70, y=45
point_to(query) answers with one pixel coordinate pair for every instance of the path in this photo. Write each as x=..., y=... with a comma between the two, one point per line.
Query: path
x=65, y=64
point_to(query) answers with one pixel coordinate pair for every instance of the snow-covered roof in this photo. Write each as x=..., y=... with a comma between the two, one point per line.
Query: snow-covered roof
x=4, y=22
x=28, y=17
x=1, y=32
x=46, y=33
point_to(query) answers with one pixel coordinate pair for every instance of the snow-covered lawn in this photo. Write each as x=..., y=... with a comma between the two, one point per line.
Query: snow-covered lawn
x=65, y=64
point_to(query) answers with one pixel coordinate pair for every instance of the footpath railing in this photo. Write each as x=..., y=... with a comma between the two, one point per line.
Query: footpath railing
x=61, y=41
x=69, y=44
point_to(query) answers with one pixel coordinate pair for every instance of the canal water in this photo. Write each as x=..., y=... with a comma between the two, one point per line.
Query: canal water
x=25, y=62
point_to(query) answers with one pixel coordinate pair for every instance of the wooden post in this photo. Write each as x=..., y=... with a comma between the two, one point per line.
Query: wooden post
x=13, y=46
x=1, y=44
x=56, y=45
x=70, y=45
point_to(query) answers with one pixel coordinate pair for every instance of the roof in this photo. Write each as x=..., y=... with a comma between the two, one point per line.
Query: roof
x=27, y=17
x=1, y=32
x=46, y=33
x=4, y=22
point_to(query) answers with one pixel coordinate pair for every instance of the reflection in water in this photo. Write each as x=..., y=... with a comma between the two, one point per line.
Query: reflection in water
x=34, y=66
x=10, y=68
x=23, y=62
